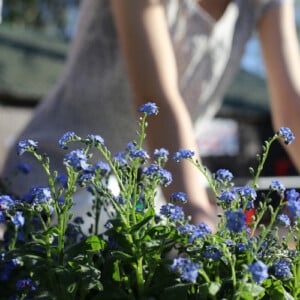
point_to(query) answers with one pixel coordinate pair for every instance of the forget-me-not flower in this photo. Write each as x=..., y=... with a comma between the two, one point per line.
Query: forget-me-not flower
x=161, y=154
x=179, y=197
x=187, y=269
x=259, y=271
x=235, y=220
x=277, y=186
x=95, y=140
x=18, y=219
x=282, y=268
x=149, y=108
x=287, y=135
x=25, y=284
x=26, y=146
x=77, y=159
x=183, y=154
x=66, y=138
x=223, y=175
x=173, y=212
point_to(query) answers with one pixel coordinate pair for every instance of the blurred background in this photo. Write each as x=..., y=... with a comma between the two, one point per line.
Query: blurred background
x=34, y=38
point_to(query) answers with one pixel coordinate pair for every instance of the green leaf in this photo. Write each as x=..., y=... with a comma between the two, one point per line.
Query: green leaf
x=90, y=245
x=213, y=288
x=277, y=291
x=116, y=273
x=94, y=244
x=146, y=218
x=250, y=291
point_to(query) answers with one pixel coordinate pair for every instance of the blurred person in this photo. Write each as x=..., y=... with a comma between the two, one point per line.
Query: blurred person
x=180, y=54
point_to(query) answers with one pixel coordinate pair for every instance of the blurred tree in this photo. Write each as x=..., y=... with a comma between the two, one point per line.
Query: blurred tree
x=39, y=14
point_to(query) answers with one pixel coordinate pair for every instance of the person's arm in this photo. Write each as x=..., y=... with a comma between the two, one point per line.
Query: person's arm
x=151, y=65
x=280, y=46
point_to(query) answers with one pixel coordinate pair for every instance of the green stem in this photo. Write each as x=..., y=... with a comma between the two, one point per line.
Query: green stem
x=61, y=238
x=263, y=160
x=142, y=134
x=105, y=154
x=140, y=278
x=207, y=177
x=267, y=229
x=204, y=275
x=97, y=214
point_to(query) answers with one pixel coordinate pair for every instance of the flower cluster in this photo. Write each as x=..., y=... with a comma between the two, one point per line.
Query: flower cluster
x=26, y=146
x=286, y=134
x=187, y=269
x=183, y=154
x=121, y=244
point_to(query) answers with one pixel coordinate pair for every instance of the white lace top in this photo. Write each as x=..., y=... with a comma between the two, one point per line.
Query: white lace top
x=208, y=53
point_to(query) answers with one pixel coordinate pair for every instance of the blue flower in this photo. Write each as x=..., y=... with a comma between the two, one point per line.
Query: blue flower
x=173, y=212
x=141, y=154
x=241, y=247
x=130, y=146
x=194, y=232
x=95, y=140
x=201, y=230
x=2, y=217
x=85, y=177
x=229, y=243
x=155, y=171
x=179, y=197
x=292, y=195
x=149, y=108
x=235, y=220
x=294, y=207
x=277, y=186
x=120, y=158
x=26, y=146
x=212, y=252
x=284, y=220
x=66, y=138
x=186, y=229
x=24, y=168
x=18, y=219
x=187, y=269
x=77, y=159
x=247, y=192
x=259, y=271
x=41, y=195
x=183, y=154
x=62, y=179
x=161, y=153
x=287, y=135
x=250, y=205
x=25, y=284
x=152, y=170
x=165, y=177
x=223, y=175
x=282, y=268
x=102, y=167
x=6, y=202
x=228, y=196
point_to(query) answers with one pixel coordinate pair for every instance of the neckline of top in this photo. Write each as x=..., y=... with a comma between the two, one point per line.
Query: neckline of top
x=207, y=17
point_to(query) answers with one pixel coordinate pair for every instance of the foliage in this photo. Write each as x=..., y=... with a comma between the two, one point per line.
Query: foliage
x=145, y=252
x=38, y=14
